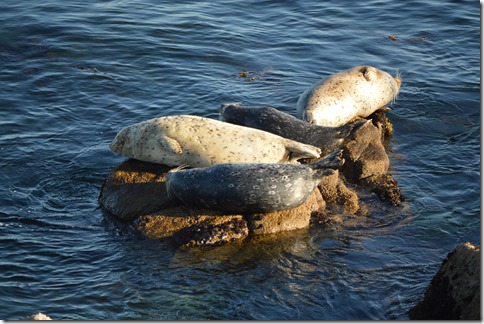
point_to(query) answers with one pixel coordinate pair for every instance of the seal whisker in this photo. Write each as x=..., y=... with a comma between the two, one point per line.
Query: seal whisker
x=181, y=167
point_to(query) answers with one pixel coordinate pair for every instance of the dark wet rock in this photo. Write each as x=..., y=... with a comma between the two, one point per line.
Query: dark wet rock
x=135, y=188
x=321, y=219
x=364, y=154
x=367, y=162
x=381, y=121
x=455, y=291
x=230, y=231
x=286, y=220
x=386, y=187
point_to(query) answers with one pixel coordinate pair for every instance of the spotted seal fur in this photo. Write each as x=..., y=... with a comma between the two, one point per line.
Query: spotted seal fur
x=198, y=141
x=272, y=120
x=249, y=187
x=347, y=95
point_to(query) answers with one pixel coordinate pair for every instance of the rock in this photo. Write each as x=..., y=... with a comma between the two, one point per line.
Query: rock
x=364, y=154
x=337, y=195
x=135, y=188
x=40, y=317
x=386, y=187
x=286, y=220
x=188, y=227
x=455, y=291
x=136, y=191
x=381, y=121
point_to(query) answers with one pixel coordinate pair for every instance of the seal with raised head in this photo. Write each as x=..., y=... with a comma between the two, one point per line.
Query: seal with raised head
x=347, y=95
x=198, y=141
x=249, y=187
x=272, y=120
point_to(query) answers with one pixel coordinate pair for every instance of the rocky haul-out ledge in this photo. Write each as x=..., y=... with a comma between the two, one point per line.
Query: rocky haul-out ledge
x=135, y=193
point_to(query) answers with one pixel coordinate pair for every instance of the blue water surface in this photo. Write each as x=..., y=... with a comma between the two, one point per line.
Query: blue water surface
x=75, y=72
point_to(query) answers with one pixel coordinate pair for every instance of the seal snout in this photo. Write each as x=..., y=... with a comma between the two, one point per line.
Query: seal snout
x=118, y=143
x=309, y=117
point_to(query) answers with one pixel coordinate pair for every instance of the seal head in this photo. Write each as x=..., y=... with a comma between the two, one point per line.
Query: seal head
x=348, y=95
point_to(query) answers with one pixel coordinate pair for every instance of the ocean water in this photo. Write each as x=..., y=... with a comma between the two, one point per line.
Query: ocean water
x=75, y=72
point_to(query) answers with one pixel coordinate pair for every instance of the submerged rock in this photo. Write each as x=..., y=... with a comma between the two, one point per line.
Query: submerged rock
x=455, y=291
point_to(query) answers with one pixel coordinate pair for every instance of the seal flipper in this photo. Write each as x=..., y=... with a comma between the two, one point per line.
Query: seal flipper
x=169, y=144
x=298, y=151
x=332, y=161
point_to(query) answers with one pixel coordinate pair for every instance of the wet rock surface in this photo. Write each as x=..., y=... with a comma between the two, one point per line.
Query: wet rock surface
x=286, y=220
x=135, y=188
x=364, y=154
x=135, y=193
x=189, y=227
x=455, y=291
x=337, y=195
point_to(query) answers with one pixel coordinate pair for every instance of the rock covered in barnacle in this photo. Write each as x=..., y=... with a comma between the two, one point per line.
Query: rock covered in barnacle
x=188, y=227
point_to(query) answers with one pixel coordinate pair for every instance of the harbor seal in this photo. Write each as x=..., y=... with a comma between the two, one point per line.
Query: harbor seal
x=269, y=119
x=249, y=187
x=198, y=141
x=347, y=95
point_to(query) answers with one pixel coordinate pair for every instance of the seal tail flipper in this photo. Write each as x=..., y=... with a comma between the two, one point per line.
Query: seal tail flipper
x=344, y=132
x=301, y=151
x=332, y=161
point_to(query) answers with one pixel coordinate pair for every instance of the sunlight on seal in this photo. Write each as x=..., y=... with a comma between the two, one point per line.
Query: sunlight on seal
x=197, y=141
x=348, y=95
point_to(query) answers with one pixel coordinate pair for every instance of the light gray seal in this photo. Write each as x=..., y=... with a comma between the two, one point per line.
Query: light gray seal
x=269, y=119
x=347, y=95
x=249, y=187
x=197, y=142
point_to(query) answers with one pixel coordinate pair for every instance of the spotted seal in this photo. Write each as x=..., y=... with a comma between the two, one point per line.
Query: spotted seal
x=347, y=95
x=272, y=120
x=249, y=187
x=198, y=141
